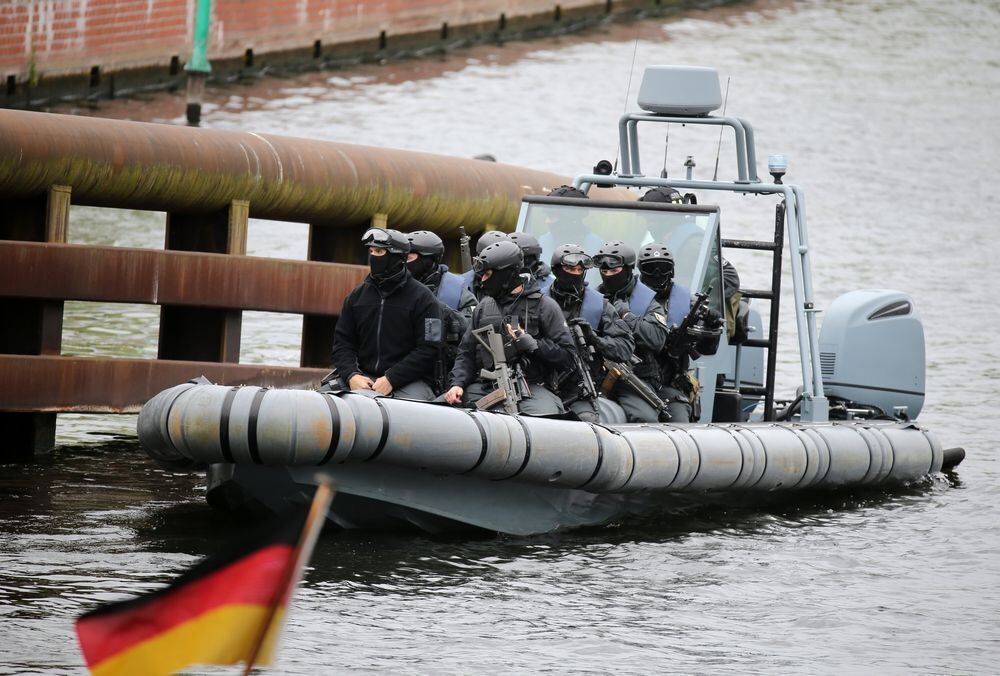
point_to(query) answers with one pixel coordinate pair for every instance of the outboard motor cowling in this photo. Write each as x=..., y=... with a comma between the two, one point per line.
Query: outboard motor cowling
x=872, y=351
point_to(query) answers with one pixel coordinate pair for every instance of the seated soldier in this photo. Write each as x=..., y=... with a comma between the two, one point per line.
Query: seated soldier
x=636, y=304
x=536, y=340
x=667, y=369
x=602, y=329
x=389, y=332
x=457, y=302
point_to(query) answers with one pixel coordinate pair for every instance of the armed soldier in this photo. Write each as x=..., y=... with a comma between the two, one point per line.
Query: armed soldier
x=457, y=302
x=637, y=306
x=598, y=332
x=389, y=332
x=535, y=337
x=693, y=330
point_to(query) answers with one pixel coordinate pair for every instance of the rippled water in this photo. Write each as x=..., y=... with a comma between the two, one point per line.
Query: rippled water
x=888, y=112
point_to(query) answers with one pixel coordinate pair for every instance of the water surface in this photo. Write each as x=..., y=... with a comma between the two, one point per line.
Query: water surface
x=887, y=111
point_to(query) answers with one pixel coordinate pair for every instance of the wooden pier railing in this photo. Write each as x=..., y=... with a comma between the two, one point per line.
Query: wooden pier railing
x=209, y=183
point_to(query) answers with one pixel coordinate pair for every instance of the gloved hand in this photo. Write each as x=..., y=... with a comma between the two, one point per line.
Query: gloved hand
x=525, y=343
x=713, y=319
x=707, y=324
x=625, y=312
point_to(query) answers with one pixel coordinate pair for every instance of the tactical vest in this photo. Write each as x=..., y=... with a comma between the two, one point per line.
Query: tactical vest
x=449, y=290
x=592, y=307
x=672, y=372
x=640, y=299
x=466, y=278
x=489, y=312
x=678, y=305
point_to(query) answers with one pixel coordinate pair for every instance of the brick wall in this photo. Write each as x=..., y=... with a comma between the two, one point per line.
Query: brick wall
x=65, y=37
x=68, y=36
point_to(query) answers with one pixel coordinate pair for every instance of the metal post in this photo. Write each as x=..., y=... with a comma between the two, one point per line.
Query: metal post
x=32, y=327
x=198, y=68
x=204, y=334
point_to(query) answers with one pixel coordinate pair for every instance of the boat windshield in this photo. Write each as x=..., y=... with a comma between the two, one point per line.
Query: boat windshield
x=689, y=231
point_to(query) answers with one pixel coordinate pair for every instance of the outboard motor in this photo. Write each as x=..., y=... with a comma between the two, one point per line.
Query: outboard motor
x=872, y=351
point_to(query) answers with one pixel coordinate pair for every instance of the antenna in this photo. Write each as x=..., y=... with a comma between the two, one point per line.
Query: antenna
x=725, y=102
x=666, y=144
x=628, y=88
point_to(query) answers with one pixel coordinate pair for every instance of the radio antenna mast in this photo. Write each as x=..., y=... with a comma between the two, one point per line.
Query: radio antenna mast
x=628, y=90
x=725, y=102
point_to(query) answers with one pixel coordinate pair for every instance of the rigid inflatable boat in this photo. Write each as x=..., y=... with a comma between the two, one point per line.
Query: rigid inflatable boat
x=397, y=462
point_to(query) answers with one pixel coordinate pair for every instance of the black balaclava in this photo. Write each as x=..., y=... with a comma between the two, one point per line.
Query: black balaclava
x=567, y=283
x=500, y=283
x=388, y=268
x=422, y=266
x=661, y=284
x=531, y=263
x=616, y=283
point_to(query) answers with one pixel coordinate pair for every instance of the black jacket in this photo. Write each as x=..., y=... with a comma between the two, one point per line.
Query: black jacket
x=548, y=328
x=395, y=332
x=613, y=336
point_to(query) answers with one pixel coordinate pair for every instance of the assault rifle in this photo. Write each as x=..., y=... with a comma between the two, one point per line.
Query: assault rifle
x=681, y=342
x=510, y=382
x=584, y=357
x=617, y=372
x=464, y=246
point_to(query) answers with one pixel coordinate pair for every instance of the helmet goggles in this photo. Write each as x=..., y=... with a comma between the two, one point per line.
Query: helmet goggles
x=390, y=240
x=573, y=259
x=608, y=261
x=657, y=268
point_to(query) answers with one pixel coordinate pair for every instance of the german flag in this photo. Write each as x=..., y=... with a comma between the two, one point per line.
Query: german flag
x=226, y=609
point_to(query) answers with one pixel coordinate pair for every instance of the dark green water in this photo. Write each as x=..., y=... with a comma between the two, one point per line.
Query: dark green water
x=888, y=113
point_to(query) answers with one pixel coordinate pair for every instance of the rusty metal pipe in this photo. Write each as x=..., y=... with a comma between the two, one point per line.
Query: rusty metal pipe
x=158, y=167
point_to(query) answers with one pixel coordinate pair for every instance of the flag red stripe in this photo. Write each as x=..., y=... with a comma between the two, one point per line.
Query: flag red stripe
x=254, y=579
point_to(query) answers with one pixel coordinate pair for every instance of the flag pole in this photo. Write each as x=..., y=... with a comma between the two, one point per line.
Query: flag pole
x=303, y=551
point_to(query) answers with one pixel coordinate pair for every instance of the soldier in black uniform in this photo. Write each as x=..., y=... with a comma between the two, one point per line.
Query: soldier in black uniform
x=666, y=369
x=535, y=333
x=457, y=302
x=603, y=329
x=389, y=332
x=637, y=306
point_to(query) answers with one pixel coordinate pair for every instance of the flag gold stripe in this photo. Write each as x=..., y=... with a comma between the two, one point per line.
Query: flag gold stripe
x=219, y=636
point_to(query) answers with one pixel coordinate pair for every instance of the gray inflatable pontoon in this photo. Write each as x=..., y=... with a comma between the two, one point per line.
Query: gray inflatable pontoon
x=404, y=461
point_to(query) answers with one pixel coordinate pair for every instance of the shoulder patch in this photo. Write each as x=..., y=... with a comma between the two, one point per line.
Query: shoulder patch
x=660, y=317
x=433, y=330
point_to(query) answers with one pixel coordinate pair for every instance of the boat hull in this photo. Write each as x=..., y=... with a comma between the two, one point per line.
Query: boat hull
x=393, y=498
x=399, y=461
